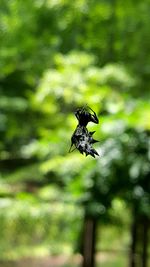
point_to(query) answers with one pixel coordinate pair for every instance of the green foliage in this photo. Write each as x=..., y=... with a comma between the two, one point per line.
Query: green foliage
x=28, y=220
x=56, y=56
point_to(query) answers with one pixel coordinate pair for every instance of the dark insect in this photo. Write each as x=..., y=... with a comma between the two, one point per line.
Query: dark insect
x=81, y=138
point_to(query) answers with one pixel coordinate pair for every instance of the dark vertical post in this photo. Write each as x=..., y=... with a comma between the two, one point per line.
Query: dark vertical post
x=145, y=229
x=134, y=226
x=89, y=242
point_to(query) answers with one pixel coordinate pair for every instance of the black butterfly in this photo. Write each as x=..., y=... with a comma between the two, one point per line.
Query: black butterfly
x=81, y=138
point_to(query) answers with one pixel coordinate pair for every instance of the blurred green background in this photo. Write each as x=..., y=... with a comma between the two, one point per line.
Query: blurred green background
x=57, y=55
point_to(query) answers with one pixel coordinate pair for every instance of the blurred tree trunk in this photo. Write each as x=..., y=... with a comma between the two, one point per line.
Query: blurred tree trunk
x=144, y=256
x=89, y=241
x=134, y=229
